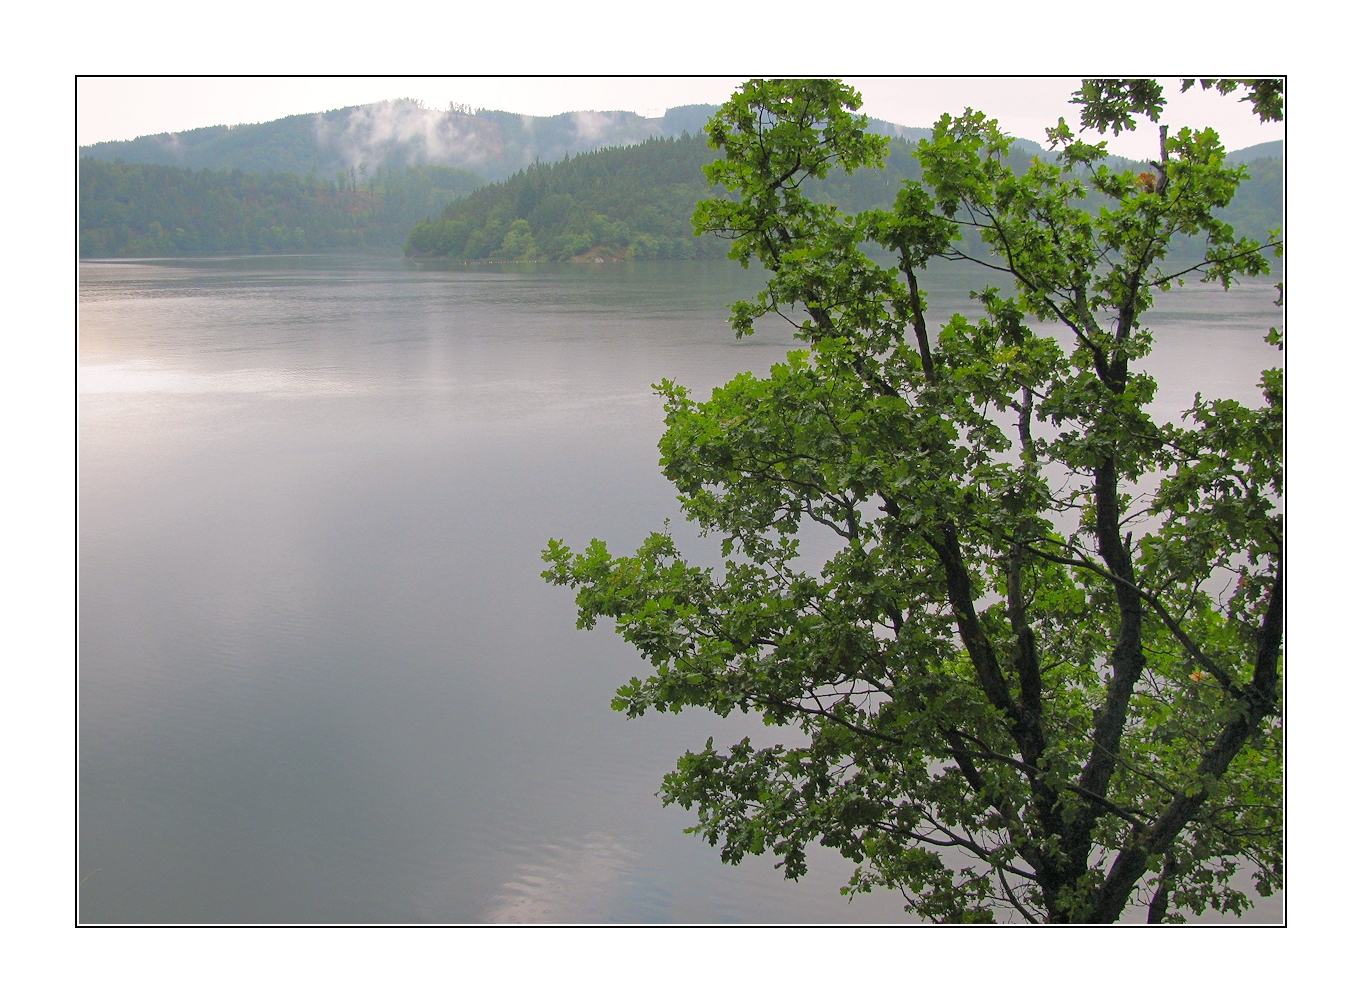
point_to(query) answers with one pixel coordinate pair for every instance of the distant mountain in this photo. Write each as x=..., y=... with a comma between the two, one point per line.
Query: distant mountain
x=1273, y=150
x=365, y=176
x=389, y=134
x=403, y=133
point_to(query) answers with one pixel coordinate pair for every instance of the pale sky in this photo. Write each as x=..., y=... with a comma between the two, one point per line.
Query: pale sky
x=127, y=107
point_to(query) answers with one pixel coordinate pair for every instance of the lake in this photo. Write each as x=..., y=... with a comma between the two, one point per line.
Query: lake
x=321, y=680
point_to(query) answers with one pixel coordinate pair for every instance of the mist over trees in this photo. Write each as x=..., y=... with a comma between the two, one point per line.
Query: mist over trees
x=392, y=134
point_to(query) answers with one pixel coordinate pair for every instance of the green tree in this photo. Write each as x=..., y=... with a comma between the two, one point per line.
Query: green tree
x=518, y=244
x=1022, y=690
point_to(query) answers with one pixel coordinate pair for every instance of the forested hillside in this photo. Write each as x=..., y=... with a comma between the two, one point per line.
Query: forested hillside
x=149, y=210
x=636, y=202
x=381, y=175
x=633, y=201
x=1257, y=206
x=392, y=134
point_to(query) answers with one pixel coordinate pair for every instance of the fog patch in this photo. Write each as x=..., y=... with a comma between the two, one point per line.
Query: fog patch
x=405, y=133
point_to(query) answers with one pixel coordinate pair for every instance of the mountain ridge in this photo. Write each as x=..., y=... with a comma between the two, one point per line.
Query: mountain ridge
x=263, y=188
x=399, y=133
x=402, y=133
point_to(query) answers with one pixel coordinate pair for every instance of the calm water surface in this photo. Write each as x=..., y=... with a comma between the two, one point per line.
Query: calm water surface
x=321, y=679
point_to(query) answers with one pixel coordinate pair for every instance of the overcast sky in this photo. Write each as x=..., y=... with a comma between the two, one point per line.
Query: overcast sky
x=124, y=108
